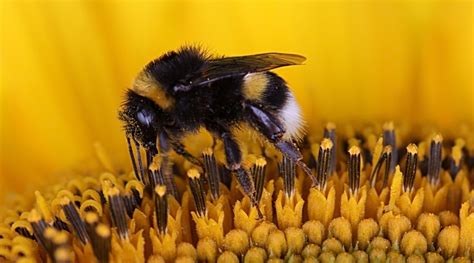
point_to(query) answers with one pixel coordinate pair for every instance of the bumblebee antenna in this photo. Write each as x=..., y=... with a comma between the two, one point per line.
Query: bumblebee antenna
x=132, y=158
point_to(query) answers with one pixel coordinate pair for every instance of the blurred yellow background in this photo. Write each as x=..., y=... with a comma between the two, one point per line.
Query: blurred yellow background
x=65, y=65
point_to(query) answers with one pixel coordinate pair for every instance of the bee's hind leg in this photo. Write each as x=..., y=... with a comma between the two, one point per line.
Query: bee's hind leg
x=272, y=128
x=265, y=123
x=290, y=150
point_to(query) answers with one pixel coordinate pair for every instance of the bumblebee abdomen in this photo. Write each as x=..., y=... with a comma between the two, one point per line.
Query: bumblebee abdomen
x=270, y=91
x=290, y=114
x=254, y=86
x=265, y=88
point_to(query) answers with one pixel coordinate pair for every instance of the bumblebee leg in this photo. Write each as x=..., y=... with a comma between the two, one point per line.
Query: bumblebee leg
x=273, y=130
x=266, y=124
x=179, y=149
x=290, y=150
x=234, y=158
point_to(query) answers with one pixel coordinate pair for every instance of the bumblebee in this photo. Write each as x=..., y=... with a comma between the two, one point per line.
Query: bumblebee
x=188, y=89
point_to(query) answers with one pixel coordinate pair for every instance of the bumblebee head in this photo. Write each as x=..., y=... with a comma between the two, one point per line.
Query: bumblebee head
x=141, y=118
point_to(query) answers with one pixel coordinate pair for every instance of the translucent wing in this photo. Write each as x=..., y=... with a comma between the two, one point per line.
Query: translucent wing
x=216, y=69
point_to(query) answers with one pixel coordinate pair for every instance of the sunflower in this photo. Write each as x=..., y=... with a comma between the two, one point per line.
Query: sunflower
x=387, y=94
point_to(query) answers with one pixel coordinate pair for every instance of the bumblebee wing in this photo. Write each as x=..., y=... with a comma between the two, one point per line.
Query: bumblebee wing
x=216, y=69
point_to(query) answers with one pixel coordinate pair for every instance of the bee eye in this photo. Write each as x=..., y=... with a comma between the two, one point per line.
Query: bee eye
x=145, y=117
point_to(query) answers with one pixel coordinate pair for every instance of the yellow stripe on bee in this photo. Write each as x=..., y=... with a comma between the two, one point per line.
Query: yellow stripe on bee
x=144, y=85
x=254, y=85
